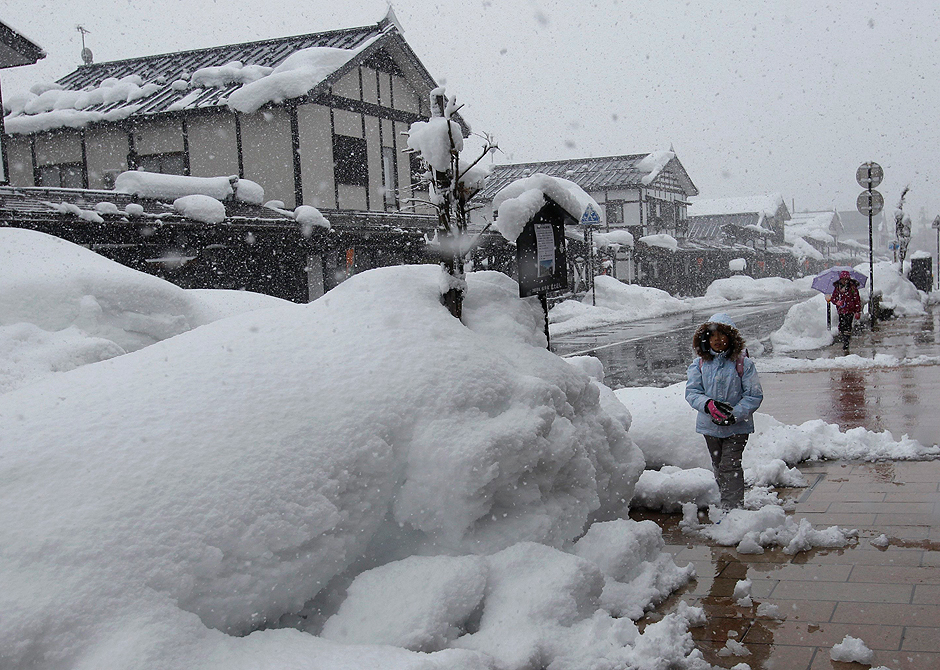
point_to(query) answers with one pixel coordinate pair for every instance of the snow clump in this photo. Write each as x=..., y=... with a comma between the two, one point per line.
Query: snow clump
x=519, y=201
x=852, y=650
x=202, y=208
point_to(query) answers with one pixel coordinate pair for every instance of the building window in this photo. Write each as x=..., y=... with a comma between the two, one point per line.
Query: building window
x=388, y=175
x=168, y=163
x=614, y=212
x=61, y=175
x=349, y=160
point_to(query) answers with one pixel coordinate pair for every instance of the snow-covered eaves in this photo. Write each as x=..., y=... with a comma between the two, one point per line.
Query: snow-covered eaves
x=16, y=50
x=768, y=205
x=243, y=77
x=19, y=205
x=595, y=175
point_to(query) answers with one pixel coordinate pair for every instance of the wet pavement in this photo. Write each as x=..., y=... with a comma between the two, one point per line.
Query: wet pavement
x=889, y=597
x=902, y=400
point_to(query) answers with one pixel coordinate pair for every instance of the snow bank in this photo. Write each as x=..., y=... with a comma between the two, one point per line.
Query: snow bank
x=528, y=605
x=519, y=201
x=616, y=302
x=750, y=531
x=848, y=362
x=663, y=427
x=745, y=288
x=668, y=488
x=63, y=306
x=805, y=323
x=229, y=475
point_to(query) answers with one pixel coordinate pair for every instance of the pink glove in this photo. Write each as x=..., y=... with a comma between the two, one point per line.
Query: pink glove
x=716, y=414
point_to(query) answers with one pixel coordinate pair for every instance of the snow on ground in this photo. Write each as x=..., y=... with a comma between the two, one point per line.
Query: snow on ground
x=223, y=479
x=63, y=306
x=663, y=427
x=805, y=323
x=617, y=302
x=849, y=362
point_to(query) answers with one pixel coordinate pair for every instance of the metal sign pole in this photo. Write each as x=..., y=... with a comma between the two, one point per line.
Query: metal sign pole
x=871, y=264
x=543, y=298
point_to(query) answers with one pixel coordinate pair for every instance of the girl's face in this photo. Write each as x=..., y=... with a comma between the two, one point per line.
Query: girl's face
x=718, y=341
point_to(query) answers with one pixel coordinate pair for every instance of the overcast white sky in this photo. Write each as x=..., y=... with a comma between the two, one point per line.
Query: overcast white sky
x=754, y=96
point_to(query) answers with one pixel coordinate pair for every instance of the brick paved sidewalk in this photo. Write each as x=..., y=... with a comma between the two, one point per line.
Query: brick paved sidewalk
x=890, y=597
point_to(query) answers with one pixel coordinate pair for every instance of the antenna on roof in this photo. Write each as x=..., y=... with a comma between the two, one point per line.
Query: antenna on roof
x=87, y=57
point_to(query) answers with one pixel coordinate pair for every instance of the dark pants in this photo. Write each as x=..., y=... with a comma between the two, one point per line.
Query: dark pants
x=726, y=462
x=845, y=328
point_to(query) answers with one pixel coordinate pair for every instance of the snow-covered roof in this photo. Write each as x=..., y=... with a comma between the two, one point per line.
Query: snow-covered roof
x=828, y=222
x=767, y=205
x=596, y=174
x=243, y=77
x=664, y=241
x=519, y=201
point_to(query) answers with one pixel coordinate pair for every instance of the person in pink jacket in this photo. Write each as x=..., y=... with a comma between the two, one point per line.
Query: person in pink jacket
x=848, y=304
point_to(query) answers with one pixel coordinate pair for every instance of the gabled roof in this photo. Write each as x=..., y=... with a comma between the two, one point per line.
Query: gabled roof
x=148, y=85
x=17, y=50
x=591, y=174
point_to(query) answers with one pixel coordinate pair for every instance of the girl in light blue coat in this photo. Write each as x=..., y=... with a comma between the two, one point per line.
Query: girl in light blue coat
x=723, y=386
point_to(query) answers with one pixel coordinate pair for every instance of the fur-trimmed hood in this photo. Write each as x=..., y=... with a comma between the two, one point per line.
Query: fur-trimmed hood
x=720, y=322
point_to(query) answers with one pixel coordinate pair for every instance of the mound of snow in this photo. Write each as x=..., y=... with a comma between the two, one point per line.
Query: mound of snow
x=745, y=288
x=63, y=306
x=231, y=472
x=668, y=488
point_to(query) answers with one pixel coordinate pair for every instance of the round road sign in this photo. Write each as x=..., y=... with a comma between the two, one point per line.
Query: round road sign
x=869, y=175
x=870, y=202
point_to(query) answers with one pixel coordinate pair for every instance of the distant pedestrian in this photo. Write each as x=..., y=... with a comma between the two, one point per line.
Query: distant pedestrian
x=723, y=385
x=848, y=304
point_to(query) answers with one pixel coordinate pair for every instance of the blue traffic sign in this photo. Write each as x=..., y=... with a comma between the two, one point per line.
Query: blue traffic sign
x=590, y=217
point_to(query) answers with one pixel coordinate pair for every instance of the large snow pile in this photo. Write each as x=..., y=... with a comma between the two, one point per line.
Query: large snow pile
x=217, y=481
x=63, y=306
x=805, y=324
x=615, y=302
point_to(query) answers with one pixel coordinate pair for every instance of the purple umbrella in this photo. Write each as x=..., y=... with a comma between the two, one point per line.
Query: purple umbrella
x=824, y=280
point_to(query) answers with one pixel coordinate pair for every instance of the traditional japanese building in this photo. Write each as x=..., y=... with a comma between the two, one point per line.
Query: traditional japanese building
x=15, y=50
x=315, y=119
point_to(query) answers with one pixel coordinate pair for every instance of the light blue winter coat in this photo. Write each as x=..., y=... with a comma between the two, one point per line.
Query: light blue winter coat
x=718, y=379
